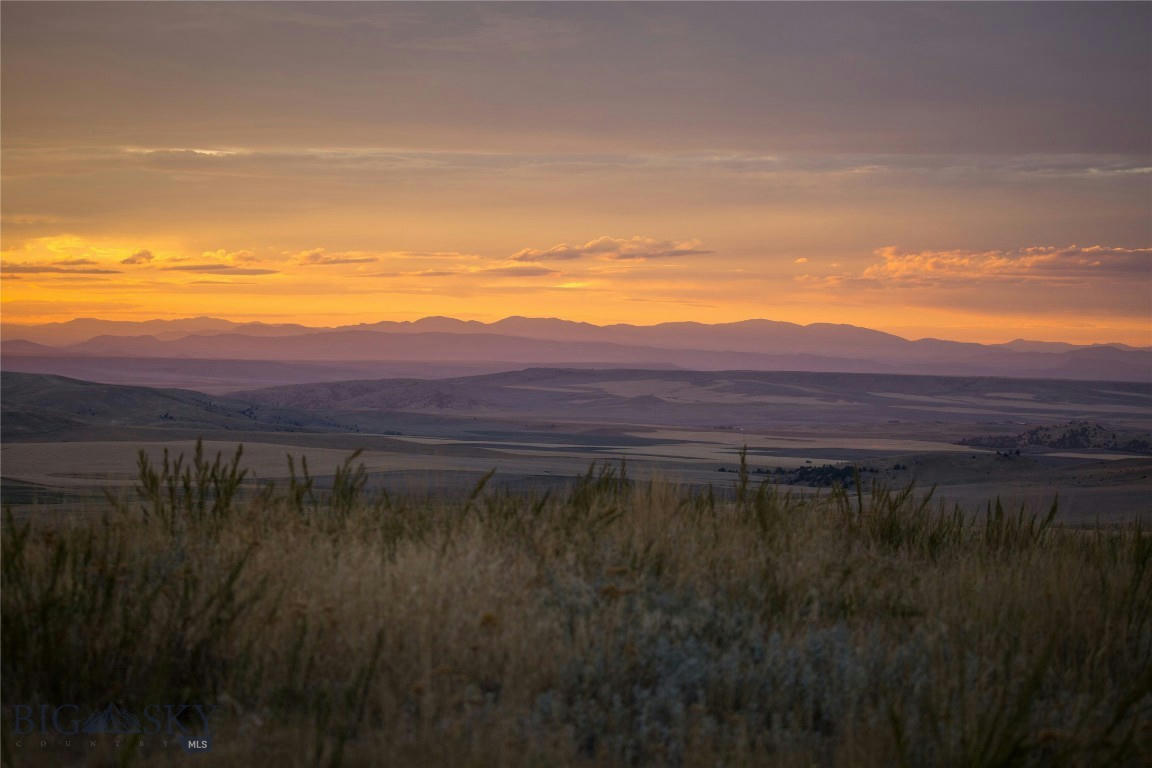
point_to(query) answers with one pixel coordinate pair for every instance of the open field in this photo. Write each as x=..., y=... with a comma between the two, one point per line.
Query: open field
x=65, y=441
x=608, y=621
x=1091, y=487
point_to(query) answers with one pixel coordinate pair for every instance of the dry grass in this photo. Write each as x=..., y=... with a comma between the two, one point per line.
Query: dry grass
x=614, y=624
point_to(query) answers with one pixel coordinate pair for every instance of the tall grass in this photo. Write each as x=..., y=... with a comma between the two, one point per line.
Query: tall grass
x=612, y=623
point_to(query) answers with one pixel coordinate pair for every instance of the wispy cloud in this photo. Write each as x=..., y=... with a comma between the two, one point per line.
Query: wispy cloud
x=220, y=269
x=33, y=269
x=636, y=247
x=515, y=270
x=76, y=263
x=185, y=151
x=140, y=257
x=418, y=273
x=432, y=255
x=224, y=255
x=744, y=165
x=317, y=257
x=524, y=271
x=1031, y=263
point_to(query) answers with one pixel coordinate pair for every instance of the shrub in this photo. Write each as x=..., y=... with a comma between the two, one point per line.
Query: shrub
x=613, y=623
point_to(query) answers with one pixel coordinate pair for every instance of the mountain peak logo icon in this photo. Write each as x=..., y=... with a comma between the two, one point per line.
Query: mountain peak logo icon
x=113, y=720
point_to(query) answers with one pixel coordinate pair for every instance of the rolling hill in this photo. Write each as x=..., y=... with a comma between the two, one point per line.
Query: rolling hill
x=719, y=398
x=42, y=405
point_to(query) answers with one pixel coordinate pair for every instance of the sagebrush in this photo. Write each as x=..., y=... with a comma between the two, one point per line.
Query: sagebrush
x=613, y=623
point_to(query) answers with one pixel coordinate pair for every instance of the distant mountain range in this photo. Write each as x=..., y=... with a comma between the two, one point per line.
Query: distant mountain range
x=516, y=342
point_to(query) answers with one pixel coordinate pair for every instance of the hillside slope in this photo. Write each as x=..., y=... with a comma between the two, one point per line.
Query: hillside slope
x=42, y=405
x=722, y=398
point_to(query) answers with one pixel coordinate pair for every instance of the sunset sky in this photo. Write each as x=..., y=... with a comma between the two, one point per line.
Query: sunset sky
x=979, y=172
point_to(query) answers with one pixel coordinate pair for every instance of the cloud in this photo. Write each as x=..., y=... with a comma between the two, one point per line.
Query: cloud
x=433, y=255
x=1036, y=263
x=34, y=269
x=517, y=271
x=801, y=260
x=511, y=271
x=140, y=257
x=345, y=260
x=823, y=281
x=24, y=220
x=745, y=165
x=636, y=247
x=220, y=269
x=562, y=252
x=418, y=273
x=317, y=257
x=75, y=263
x=220, y=254
x=185, y=151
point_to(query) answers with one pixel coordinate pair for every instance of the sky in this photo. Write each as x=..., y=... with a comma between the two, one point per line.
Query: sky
x=979, y=172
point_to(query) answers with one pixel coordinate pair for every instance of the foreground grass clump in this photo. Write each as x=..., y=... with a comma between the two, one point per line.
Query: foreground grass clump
x=616, y=623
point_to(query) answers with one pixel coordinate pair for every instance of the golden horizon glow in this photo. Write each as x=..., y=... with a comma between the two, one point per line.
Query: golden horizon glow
x=59, y=278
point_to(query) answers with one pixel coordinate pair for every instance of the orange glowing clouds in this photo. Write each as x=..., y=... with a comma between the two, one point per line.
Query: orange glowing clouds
x=608, y=163
x=633, y=279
